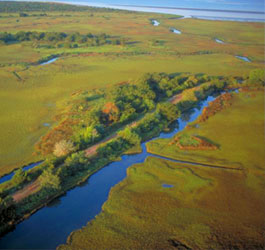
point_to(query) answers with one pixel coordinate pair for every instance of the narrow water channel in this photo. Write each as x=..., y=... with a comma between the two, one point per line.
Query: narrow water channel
x=49, y=61
x=50, y=226
x=243, y=58
x=9, y=176
x=219, y=41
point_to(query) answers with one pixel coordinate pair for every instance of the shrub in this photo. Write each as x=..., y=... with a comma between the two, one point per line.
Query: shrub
x=21, y=14
x=63, y=147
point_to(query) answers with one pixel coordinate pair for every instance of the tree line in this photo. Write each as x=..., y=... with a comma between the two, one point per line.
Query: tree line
x=90, y=119
x=55, y=37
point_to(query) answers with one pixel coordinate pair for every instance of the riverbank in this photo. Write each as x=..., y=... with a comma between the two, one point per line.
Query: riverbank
x=162, y=204
x=83, y=175
x=189, y=100
x=227, y=148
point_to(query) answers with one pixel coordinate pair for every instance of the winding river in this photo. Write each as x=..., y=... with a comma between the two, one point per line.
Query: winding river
x=51, y=225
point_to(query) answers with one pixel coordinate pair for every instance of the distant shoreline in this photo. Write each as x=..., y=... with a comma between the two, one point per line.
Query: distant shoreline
x=195, y=9
x=209, y=14
x=99, y=5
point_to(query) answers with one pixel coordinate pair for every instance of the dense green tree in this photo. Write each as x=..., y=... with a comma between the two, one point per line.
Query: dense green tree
x=22, y=14
x=19, y=177
x=7, y=210
x=87, y=135
x=112, y=149
x=129, y=136
x=128, y=113
x=168, y=111
x=71, y=40
x=7, y=37
x=49, y=179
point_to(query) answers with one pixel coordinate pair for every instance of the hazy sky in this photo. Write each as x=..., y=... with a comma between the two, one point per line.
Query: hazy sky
x=257, y=5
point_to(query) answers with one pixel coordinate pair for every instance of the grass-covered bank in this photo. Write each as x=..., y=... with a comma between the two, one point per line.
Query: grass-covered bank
x=202, y=208
x=230, y=137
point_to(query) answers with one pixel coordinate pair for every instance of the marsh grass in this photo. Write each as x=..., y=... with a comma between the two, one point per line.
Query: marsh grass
x=188, y=140
x=31, y=95
x=230, y=129
x=205, y=207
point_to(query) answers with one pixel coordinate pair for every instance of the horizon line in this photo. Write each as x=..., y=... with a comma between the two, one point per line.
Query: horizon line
x=196, y=9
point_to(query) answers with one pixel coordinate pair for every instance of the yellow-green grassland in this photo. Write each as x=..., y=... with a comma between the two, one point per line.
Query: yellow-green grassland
x=83, y=93
x=31, y=95
x=205, y=207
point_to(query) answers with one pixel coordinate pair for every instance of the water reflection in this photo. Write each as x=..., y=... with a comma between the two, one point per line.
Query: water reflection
x=51, y=225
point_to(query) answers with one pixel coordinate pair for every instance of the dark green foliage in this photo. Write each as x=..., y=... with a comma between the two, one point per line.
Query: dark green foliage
x=21, y=14
x=113, y=149
x=71, y=40
x=152, y=124
x=130, y=137
x=185, y=105
x=87, y=135
x=133, y=98
x=7, y=210
x=168, y=111
x=35, y=200
x=215, y=85
x=7, y=37
x=49, y=179
x=166, y=85
x=19, y=177
x=73, y=165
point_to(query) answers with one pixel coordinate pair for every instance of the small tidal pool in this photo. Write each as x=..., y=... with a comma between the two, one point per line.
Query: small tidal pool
x=155, y=22
x=243, y=58
x=167, y=186
x=219, y=41
x=175, y=31
x=49, y=61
